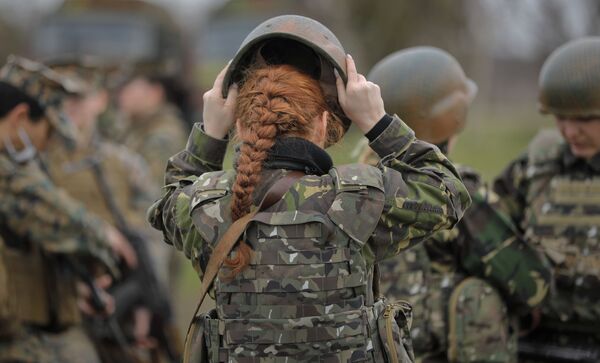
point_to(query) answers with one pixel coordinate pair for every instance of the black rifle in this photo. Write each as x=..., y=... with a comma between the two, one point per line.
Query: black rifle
x=141, y=287
x=551, y=352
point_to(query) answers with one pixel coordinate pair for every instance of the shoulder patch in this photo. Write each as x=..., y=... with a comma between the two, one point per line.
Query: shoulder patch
x=357, y=176
x=359, y=192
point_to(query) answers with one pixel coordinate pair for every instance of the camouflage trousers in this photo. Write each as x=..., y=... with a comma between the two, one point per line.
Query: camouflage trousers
x=36, y=346
x=469, y=325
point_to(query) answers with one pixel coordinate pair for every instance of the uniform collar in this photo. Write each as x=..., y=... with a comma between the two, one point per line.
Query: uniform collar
x=571, y=161
x=294, y=153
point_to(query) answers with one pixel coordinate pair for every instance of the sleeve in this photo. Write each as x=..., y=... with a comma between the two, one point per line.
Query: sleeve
x=36, y=210
x=171, y=213
x=490, y=247
x=423, y=191
x=511, y=188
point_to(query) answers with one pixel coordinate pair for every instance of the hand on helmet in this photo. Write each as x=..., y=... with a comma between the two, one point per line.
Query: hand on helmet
x=360, y=99
x=218, y=113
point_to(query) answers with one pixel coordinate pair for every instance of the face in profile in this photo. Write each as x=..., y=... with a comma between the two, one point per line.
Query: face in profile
x=582, y=135
x=84, y=111
x=139, y=97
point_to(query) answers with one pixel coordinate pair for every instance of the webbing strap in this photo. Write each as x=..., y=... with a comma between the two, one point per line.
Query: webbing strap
x=233, y=234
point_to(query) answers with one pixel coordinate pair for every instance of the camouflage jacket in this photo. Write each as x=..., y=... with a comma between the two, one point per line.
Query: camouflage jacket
x=156, y=138
x=423, y=193
x=553, y=197
x=125, y=172
x=484, y=244
x=33, y=209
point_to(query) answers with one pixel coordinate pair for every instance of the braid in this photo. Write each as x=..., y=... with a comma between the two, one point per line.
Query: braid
x=275, y=101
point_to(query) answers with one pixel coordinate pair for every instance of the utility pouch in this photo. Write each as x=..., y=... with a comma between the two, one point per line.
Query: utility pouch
x=393, y=324
x=8, y=321
x=201, y=344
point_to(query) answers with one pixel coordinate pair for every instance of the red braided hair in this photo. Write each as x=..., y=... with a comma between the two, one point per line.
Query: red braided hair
x=274, y=101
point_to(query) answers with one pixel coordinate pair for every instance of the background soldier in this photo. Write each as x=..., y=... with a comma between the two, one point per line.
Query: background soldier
x=152, y=107
x=468, y=284
x=155, y=128
x=44, y=232
x=553, y=194
x=113, y=183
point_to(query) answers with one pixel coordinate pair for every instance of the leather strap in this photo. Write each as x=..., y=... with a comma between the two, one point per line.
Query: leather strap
x=232, y=235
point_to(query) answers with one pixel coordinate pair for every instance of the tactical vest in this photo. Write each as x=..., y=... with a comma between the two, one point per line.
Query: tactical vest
x=308, y=293
x=562, y=220
x=73, y=172
x=34, y=290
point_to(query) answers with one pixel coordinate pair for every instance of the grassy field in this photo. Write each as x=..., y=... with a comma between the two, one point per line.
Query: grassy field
x=489, y=142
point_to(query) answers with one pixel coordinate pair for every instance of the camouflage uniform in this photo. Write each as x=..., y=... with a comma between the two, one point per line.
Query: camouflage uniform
x=125, y=172
x=469, y=284
x=308, y=292
x=553, y=197
x=156, y=138
x=462, y=281
x=40, y=226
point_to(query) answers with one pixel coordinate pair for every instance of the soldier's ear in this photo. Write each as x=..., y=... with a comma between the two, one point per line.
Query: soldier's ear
x=18, y=115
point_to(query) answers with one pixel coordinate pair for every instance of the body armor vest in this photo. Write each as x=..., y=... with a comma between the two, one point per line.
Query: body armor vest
x=34, y=289
x=308, y=292
x=562, y=221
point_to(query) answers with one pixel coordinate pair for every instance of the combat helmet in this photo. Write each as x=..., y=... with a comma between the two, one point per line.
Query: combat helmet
x=421, y=85
x=570, y=80
x=300, y=41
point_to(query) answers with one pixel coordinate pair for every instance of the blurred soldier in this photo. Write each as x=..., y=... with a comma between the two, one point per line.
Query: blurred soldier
x=152, y=108
x=113, y=183
x=45, y=234
x=155, y=127
x=553, y=194
x=467, y=285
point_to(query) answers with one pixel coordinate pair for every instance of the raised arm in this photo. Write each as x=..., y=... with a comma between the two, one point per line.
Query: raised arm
x=423, y=192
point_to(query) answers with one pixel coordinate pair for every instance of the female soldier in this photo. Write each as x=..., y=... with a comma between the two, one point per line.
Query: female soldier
x=299, y=284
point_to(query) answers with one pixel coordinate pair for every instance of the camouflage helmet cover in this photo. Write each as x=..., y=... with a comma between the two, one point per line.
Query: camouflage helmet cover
x=420, y=84
x=87, y=68
x=45, y=86
x=569, y=82
x=299, y=41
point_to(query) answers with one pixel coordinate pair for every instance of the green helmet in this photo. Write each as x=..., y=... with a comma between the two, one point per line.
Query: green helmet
x=427, y=88
x=299, y=41
x=570, y=80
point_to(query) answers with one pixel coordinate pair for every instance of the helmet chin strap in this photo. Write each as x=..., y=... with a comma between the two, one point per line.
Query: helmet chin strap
x=20, y=156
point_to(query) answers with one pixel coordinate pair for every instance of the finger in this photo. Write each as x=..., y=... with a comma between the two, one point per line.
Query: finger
x=360, y=78
x=85, y=307
x=351, y=68
x=103, y=281
x=109, y=303
x=83, y=290
x=341, y=88
x=218, y=85
x=128, y=254
x=232, y=95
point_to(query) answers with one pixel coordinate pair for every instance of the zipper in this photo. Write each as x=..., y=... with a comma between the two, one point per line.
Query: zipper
x=389, y=320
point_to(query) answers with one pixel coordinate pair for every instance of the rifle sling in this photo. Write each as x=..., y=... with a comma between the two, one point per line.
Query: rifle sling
x=233, y=233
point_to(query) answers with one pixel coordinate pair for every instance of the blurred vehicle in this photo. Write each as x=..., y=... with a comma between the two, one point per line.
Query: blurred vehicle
x=118, y=31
